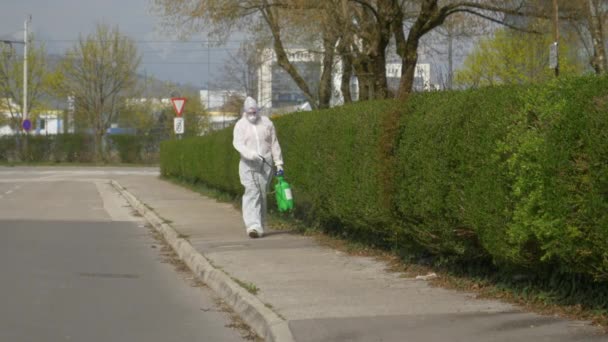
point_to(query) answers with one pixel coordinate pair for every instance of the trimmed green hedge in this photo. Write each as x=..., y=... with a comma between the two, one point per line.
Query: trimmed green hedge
x=75, y=148
x=513, y=175
x=448, y=196
x=209, y=159
x=46, y=148
x=334, y=162
x=135, y=148
x=317, y=149
x=8, y=149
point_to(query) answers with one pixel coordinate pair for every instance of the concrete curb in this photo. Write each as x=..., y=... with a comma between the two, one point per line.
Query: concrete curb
x=260, y=318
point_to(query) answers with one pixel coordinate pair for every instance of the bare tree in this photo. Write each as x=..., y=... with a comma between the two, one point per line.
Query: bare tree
x=100, y=73
x=239, y=71
x=593, y=22
x=451, y=40
x=358, y=31
x=281, y=18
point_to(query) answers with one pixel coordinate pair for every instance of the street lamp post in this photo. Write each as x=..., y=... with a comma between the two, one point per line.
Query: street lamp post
x=25, y=46
x=25, y=43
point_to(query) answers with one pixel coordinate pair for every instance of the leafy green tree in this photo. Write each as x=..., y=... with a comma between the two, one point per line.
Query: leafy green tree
x=138, y=115
x=99, y=72
x=513, y=57
x=11, y=83
x=195, y=115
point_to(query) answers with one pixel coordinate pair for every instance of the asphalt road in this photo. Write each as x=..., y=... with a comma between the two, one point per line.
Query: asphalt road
x=77, y=265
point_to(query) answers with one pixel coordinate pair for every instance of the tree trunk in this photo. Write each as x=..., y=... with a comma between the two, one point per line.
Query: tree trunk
x=380, y=81
x=282, y=58
x=408, y=69
x=363, y=71
x=383, y=29
x=430, y=17
x=98, y=137
x=98, y=147
x=325, y=85
x=345, y=54
x=347, y=69
x=599, y=61
x=347, y=72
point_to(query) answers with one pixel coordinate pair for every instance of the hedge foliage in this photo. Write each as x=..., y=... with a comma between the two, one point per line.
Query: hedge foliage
x=135, y=148
x=209, y=159
x=514, y=175
x=71, y=148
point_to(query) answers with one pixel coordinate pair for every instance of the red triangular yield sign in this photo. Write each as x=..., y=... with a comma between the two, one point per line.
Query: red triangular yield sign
x=178, y=105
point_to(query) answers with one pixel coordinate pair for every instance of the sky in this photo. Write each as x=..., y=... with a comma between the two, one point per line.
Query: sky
x=59, y=23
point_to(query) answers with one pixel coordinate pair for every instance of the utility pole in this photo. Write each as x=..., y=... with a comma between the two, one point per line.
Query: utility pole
x=25, y=42
x=556, y=36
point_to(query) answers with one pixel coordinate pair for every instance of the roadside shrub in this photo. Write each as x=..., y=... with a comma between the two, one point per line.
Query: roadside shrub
x=75, y=148
x=135, y=148
x=451, y=193
x=38, y=148
x=129, y=147
x=334, y=162
x=515, y=176
x=72, y=148
x=558, y=169
x=8, y=149
x=210, y=160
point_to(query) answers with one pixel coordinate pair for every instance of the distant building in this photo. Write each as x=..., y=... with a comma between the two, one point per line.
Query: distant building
x=422, y=76
x=277, y=91
x=49, y=122
x=216, y=103
x=276, y=88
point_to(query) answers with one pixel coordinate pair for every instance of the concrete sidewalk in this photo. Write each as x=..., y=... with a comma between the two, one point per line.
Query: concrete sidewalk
x=306, y=292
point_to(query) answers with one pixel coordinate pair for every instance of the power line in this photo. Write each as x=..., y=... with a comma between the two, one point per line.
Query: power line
x=156, y=41
x=182, y=63
x=188, y=51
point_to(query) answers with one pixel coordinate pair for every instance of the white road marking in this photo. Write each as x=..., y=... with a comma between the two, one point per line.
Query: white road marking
x=38, y=180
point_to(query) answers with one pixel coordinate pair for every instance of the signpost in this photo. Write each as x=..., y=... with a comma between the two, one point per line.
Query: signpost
x=178, y=125
x=553, y=56
x=178, y=122
x=26, y=125
x=178, y=105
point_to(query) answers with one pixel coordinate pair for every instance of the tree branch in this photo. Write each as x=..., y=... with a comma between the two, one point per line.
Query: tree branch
x=369, y=7
x=516, y=12
x=494, y=20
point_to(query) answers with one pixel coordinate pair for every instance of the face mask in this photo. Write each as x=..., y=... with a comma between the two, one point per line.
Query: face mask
x=252, y=117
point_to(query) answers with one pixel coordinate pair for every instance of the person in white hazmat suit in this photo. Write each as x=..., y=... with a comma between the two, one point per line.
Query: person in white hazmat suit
x=255, y=138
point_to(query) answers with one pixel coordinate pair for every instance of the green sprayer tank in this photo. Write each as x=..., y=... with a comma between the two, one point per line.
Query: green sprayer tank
x=283, y=193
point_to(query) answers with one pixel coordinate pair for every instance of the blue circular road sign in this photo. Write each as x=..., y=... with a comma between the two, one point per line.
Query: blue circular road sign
x=27, y=124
